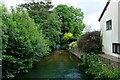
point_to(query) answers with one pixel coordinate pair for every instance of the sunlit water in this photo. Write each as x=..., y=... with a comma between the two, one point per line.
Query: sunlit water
x=59, y=64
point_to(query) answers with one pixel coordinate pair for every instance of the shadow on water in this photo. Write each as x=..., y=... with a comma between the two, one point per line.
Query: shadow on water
x=59, y=64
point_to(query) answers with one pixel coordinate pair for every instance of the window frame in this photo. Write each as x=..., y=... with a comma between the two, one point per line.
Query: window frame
x=116, y=48
x=109, y=25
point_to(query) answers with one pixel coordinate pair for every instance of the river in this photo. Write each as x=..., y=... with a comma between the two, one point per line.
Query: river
x=59, y=64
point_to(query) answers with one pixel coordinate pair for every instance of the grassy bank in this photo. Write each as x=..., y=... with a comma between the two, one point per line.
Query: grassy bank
x=92, y=66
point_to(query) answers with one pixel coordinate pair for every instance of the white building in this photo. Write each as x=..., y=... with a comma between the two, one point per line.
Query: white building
x=110, y=27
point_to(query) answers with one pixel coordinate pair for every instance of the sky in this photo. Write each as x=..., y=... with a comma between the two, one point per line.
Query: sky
x=91, y=9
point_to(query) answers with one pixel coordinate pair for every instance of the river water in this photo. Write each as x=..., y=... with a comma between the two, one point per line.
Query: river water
x=59, y=64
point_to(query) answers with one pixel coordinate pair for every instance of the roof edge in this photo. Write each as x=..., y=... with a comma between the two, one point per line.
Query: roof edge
x=105, y=8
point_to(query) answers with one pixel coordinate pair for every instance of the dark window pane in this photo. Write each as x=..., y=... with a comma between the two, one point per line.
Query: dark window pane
x=109, y=25
x=116, y=48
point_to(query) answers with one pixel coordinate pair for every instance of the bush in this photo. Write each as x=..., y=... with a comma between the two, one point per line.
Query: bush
x=66, y=40
x=90, y=42
x=22, y=42
x=94, y=67
x=73, y=44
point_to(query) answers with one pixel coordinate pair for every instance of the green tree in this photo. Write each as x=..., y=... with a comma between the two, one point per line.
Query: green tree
x=52, y=29
x=55, y=23
x=72, y=19
x=39, y=10
x=23, y=44
x=49, y=21
x=0, y=34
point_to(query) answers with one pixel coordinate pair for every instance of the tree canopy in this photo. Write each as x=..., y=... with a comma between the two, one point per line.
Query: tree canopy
x=72, y=19
x=57, y=21
x=22, y=42
x=39, y=10
x=33, y=29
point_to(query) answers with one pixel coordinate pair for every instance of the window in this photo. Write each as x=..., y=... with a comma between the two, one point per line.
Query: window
x=109, y=25
x=116, y=48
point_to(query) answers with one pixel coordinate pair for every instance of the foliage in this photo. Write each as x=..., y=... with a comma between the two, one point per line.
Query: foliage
x=72, y=23
x=90, y=42
x=64, y=46
x=93, y=66
x=48, y=20
x=39, y=10
x=67, y=37
x=22, y=42
x=0, y=34
x=55, y=23
x=73, y=44
x=72, y=19
x=30, y=30
x=52, y=29
x=66, y=40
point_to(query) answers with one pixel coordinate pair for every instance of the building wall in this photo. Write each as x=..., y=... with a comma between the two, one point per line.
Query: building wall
x=110, y=36
x=119, y=22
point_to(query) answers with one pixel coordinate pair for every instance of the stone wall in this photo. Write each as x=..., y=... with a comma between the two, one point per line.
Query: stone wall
x=111, y=61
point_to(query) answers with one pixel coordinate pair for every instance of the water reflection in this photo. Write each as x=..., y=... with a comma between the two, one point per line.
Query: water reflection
x=59, y=64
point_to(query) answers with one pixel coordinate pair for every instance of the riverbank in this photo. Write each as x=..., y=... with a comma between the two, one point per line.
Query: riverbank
x=110, y=61
x=95, y=67
x=76, y=52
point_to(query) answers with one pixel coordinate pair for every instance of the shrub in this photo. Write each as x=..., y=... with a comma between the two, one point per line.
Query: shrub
x=22, y=42
x=94, y=67
x=73, y=44
x=67, y=37
x=90, y=42
x=66, y=40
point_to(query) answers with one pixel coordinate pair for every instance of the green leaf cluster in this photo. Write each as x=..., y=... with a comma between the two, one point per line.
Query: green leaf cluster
x=48, y=20
x=92, y=66
x=57, y=21
x=22, y=42
x=33, y=29
x=72, y=19
x=73, y=44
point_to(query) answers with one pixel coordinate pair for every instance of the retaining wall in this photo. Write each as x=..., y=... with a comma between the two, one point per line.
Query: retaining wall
x=111, y=61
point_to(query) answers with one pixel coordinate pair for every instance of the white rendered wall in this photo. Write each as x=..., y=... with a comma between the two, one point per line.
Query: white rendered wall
x=119, y=22
x=110, y=36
